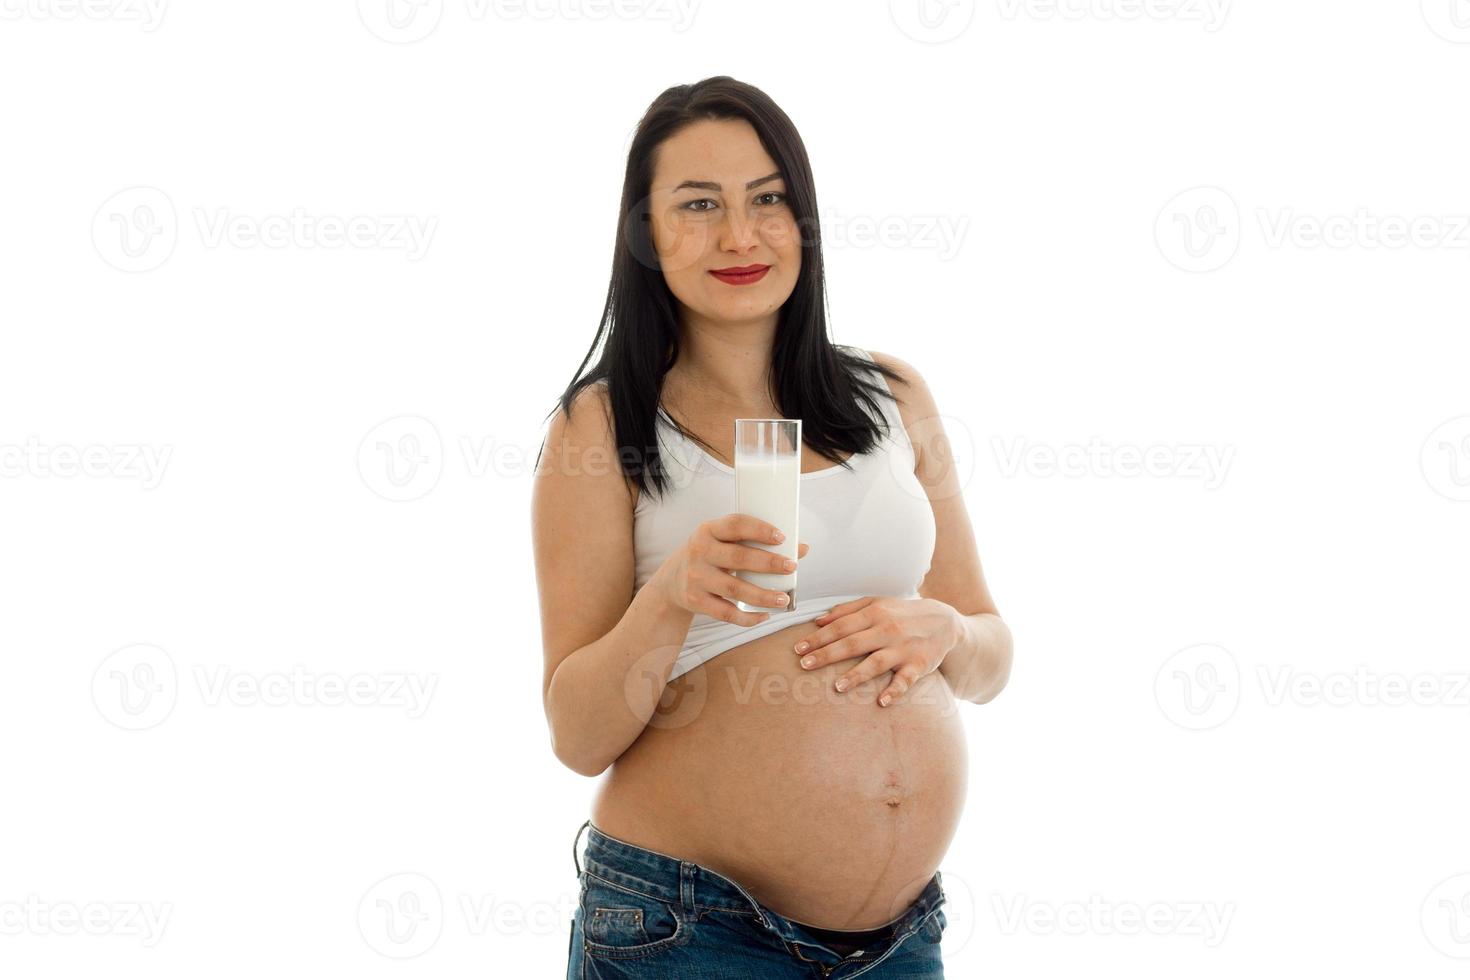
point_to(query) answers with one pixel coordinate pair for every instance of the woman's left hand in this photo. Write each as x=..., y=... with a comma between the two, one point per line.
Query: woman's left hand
x=908, y=636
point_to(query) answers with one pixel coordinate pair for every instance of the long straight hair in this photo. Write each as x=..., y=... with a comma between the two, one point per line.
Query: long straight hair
x=810, y=378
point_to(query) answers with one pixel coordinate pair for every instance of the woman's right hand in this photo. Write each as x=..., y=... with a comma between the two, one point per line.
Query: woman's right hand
x=697, y=575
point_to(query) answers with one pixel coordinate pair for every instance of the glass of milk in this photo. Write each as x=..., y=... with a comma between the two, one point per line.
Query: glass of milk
x=768, y=486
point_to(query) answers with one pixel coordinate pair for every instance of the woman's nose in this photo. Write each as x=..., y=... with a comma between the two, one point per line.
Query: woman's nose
x=738, y=230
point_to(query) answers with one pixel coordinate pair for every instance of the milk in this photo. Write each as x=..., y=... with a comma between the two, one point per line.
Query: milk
x=768, y=486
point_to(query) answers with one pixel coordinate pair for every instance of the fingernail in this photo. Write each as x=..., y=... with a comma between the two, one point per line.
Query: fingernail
x=779, y=536
x=808, y=661
x=884, y=700
x=801, y=647
x=790, y=565
x=842, y=684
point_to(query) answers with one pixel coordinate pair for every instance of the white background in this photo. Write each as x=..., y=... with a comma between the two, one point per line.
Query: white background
x=1203, y=718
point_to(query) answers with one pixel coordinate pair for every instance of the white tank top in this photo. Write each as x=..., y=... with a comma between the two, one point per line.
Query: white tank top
x=871, y=529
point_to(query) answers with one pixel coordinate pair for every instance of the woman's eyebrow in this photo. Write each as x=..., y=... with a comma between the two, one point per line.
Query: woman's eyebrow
x=709, y=185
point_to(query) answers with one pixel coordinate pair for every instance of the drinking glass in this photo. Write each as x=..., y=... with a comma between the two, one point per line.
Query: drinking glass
x=768, y=486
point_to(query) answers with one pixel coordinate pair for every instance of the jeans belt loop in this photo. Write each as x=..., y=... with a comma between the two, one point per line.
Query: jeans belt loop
x=575, y=861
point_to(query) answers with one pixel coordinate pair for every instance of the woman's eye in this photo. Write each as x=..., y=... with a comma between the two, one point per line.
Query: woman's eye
x=761, y=199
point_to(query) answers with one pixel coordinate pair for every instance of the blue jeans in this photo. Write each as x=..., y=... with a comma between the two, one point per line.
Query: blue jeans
x=645, y=914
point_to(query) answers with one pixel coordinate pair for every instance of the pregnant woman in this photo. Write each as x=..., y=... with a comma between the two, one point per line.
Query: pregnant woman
x=780, y=786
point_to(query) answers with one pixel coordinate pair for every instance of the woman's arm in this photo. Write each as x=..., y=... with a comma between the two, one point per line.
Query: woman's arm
x=602, y=695
x=606, y=659
x=979, y=664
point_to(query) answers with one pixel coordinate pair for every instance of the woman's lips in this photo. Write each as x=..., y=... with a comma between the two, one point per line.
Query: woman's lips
x=741, y=275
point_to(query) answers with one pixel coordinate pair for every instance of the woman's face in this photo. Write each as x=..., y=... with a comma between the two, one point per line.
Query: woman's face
x=719, y=202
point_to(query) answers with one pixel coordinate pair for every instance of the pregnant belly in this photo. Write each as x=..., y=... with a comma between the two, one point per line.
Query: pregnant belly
x=827, y=808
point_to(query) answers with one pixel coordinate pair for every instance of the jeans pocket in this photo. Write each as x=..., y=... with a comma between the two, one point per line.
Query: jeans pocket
x=622, y=923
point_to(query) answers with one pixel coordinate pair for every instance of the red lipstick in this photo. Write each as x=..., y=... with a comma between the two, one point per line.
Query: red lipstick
x=740, y=275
